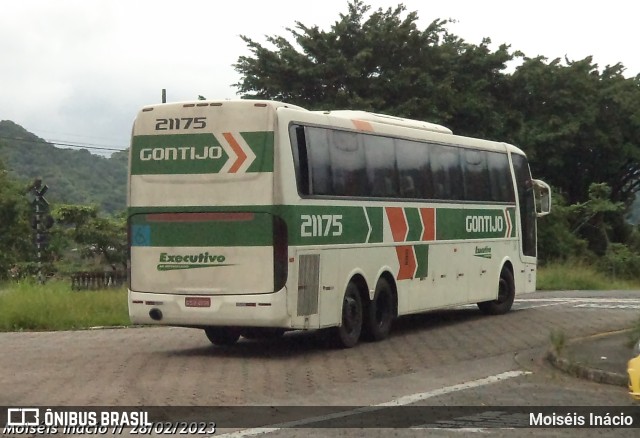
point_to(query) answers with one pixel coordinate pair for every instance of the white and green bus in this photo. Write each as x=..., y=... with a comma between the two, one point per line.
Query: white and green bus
x=250, y=218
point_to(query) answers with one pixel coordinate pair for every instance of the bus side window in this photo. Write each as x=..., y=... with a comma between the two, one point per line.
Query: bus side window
x=500, y=177
x=319, y=161
x=476, y=175
x=349, y=175
x=300, y=161
x=527, y=204
x=381, y=166
x=446, y=172
x=414, y=173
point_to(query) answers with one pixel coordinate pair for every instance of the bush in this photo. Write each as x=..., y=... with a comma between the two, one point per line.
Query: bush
x=556, y=241
x=579, y=275
x=620, y=262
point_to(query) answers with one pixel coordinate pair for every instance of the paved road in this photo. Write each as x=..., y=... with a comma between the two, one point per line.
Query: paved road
x=425, y=353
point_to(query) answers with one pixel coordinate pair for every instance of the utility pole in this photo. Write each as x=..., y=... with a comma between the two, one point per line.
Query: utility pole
x=40, y=222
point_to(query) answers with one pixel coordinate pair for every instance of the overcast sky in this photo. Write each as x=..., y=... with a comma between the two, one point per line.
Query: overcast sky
x=77, y=71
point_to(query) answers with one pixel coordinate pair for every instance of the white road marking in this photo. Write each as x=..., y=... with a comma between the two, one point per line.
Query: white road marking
x=608, y=306
x=534, y=306
x=402, y=401
x=580, y=300
x=464, y=430
x=599, y=303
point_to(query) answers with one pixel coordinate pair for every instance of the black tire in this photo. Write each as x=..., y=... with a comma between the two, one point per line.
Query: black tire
x=348, y=334
x=222, y=335
x=261, y=333
x=506, y=295
x=380, y=312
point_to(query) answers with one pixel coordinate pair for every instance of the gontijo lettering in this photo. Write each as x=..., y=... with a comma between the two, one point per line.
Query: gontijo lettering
x=484, y=224
x=181, y=153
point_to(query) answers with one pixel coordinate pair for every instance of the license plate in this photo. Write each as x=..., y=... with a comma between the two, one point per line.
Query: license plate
x=197, y=302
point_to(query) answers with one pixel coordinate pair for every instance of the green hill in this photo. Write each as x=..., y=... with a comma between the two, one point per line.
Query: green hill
x=73, y=176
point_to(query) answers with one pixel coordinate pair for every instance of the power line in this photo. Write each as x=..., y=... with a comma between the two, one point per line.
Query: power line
x=100, y=148
x=65, y=143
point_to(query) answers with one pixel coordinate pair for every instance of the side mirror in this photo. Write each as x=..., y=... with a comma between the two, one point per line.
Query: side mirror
x=542, y=193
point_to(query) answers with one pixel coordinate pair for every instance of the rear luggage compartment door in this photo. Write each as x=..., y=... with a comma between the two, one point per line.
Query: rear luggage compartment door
x=202, y=253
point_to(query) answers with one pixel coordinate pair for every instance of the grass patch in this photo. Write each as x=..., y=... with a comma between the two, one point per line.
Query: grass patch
x=578, y=276
x=54, y=306
x=558, y=341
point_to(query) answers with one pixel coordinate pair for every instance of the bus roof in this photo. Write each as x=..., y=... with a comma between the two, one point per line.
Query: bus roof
x=353, y=116
x=389, y=120
x=202, y=103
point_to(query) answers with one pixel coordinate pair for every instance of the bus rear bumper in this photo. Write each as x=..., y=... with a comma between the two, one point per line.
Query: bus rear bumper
x=257, y=310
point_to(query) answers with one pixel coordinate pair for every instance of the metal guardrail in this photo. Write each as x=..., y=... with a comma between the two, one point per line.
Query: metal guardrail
x=98, y=280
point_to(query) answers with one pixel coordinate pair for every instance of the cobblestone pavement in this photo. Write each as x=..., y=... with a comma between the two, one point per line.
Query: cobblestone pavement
x=176, y=366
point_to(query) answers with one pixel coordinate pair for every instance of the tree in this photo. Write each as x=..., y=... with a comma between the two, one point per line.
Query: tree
x=592, y=214
x=557, y=235
x=381, y=62
x=579, y=125
x=99, y=237
x=16, y=240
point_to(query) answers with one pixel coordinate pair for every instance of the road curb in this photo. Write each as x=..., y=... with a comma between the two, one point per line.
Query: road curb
x=580, y=370
x=585, y=372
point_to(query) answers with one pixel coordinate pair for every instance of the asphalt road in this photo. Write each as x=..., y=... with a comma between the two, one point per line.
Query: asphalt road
x=456, y=357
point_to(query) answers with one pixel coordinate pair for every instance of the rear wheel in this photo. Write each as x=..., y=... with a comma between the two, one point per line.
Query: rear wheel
x=222, y=335
x=506, y=295
x=380, y=312
x=348, y=334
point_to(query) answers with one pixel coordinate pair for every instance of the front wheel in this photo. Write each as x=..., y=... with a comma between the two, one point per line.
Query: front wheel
x=348, y=334
x=506, y=295
x=222, y=335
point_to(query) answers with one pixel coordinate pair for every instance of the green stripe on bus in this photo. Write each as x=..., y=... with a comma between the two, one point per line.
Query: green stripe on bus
x=415, y=224
x=176, y=154
x=376, y=218
x=199, y=153
x=261, y=143
x=324, y=225
x=314, y=225
x=422, y=259
x=459, y=224
x=256, y=232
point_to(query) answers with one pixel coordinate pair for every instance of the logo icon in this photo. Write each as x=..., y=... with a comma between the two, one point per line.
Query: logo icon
x=23, y=417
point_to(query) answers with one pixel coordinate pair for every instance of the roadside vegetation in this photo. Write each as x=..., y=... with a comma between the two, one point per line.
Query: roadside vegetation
x=27, y=305
x=575, y=275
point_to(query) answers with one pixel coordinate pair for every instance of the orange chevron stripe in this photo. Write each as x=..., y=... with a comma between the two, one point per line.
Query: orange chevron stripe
x=407, y=260
x=362, y=125
x=397, y=222
x=237, y=149
x=429, y=221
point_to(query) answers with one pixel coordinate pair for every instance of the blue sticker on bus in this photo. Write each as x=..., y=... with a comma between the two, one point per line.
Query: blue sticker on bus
x=140, y=235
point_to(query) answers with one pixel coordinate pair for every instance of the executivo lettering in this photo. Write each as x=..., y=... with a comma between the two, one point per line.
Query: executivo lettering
x=170, y=262
x=484, y=252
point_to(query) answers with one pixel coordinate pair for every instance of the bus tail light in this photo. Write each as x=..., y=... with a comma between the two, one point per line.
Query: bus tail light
x=280, y=253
